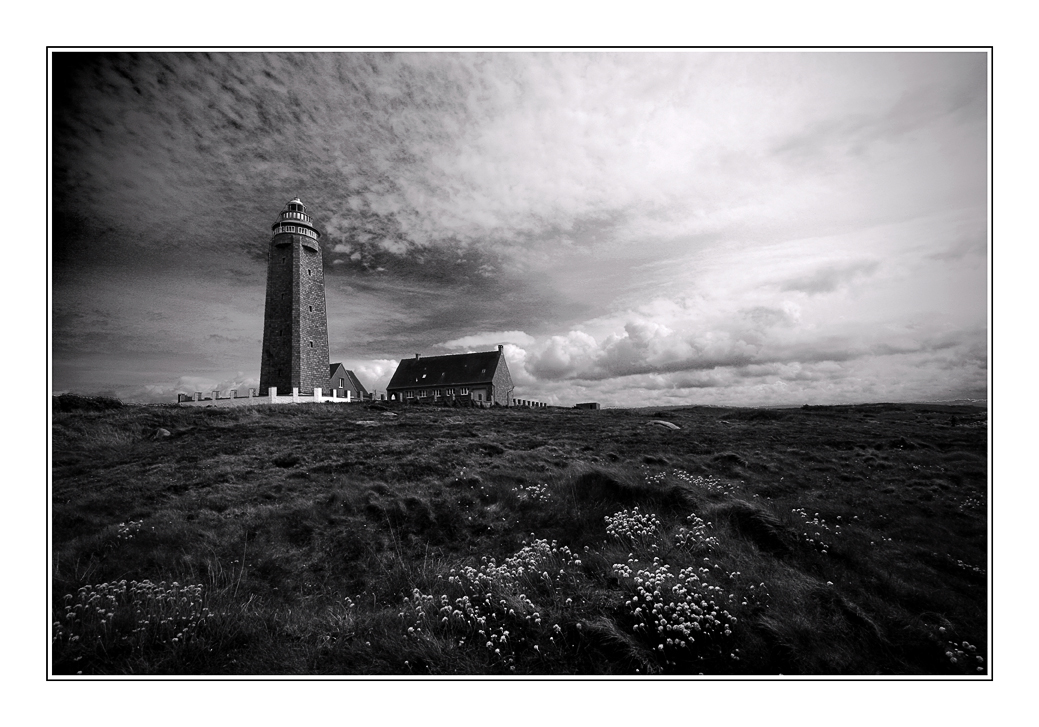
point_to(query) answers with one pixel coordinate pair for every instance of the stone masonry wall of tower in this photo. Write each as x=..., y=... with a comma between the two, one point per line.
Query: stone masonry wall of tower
x=295, y=328
x=276, y=357
x=312, y=338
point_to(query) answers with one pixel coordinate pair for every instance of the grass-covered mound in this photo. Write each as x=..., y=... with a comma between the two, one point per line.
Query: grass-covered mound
x=350, y=540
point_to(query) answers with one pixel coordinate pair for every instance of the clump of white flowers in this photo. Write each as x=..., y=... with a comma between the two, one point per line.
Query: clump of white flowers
x=126, y=531
x=497, y=607
x=534, y=493
x=134, y=614
x=708, y=483
x=681, y=616
x=819, y=534
x=696, y=535
x=632, y=524
x=962, y=655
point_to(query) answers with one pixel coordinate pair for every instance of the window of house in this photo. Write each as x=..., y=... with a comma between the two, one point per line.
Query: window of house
x=464, y=390
x=342, y=383
x=411, y=395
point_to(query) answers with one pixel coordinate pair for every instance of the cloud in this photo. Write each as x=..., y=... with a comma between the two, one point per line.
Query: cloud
x=565, y=356
x=166, y=392
x=974, y=245
x=787, y=314
x=478, y=340
x=374, y=375
x=827, y=279
x=897, y=377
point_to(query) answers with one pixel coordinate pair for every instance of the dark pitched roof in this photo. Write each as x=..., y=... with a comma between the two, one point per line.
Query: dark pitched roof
x=452, y=370
x=356, y=382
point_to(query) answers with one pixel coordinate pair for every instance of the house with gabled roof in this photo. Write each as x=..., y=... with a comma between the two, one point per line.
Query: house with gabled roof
x=342, y=381
x=482, y=378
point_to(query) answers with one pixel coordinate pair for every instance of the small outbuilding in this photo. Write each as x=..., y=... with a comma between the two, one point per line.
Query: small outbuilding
x=341, y=381
x=480, y=378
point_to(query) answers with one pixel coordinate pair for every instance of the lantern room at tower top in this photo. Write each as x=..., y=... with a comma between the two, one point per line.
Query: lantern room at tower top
x=295, y=220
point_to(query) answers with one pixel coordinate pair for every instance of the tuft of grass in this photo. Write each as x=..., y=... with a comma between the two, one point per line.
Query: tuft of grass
x=757, y=525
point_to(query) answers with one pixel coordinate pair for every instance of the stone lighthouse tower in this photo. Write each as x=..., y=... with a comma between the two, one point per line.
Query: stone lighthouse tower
x=295, y=327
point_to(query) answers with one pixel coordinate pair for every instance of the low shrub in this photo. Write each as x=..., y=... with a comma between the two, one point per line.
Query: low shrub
x=76, y=402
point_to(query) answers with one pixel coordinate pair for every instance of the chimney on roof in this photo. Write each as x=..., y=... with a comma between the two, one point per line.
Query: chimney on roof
x=416, y=357
x=500, y=348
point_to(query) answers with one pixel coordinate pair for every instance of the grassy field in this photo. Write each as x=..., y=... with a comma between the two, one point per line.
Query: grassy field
x=362, y=539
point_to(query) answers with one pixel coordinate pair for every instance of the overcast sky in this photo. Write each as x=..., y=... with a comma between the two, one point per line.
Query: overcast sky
x=638, y=228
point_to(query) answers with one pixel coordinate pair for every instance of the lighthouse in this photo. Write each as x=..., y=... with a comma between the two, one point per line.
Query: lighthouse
x=295, y=325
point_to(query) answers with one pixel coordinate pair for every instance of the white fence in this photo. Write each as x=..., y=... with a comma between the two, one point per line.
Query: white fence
x=272, y=398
